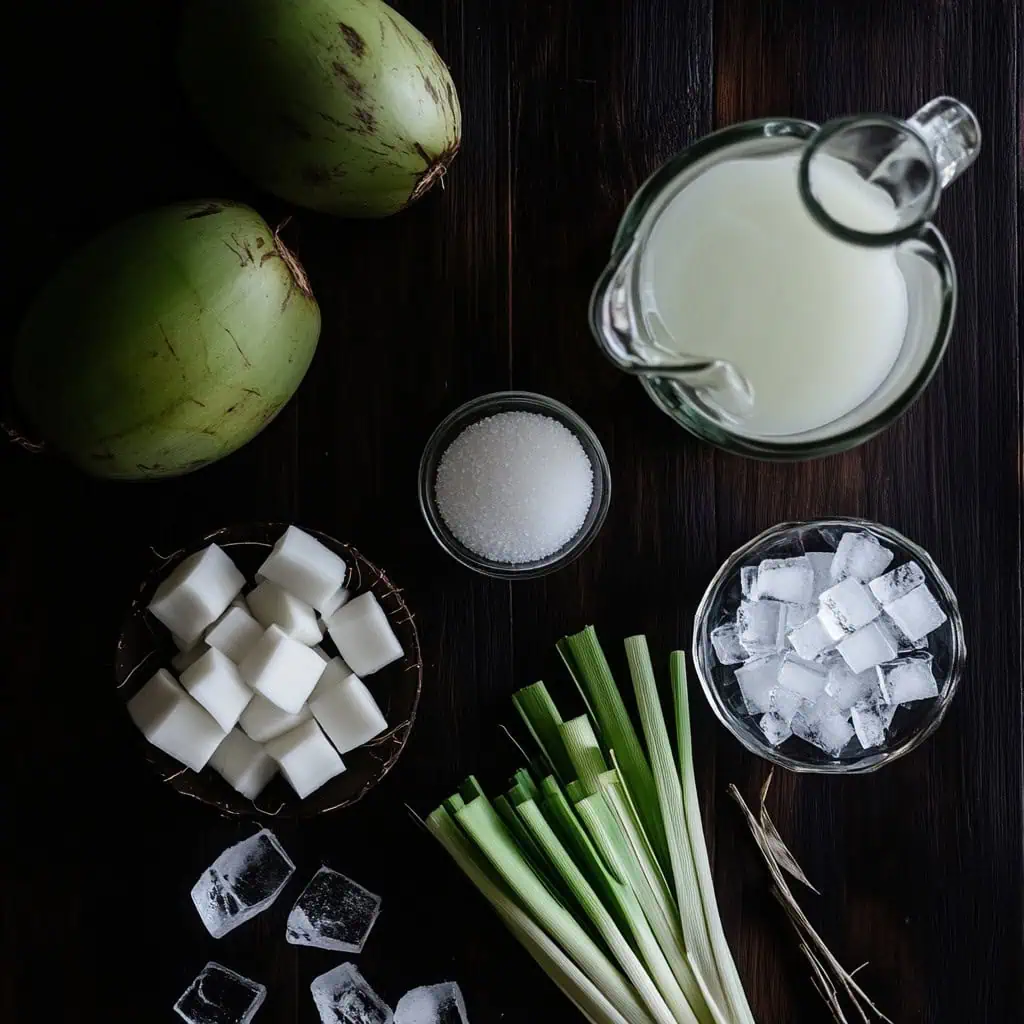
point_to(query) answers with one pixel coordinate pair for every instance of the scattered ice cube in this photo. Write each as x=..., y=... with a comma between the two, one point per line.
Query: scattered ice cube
x=821, y=564
x=761, y=626
x=748, y=582
x=917, y=613
x=775, y=728
x=213, y=680
x=243, y=764
x=851, y=604
x=274, y=606
x=234, y=633
x=861, y=556
x=343, y=997
x=847, y=688
x=263, y=720
x=810, y=639
x=220, y=996
x=868, y=724
x=306, y=758
x=364, y=637
x=786, y=579
x=801, y=677
x=241, y=883
x=333, y=912
x=304, y=567
x=282, y=669
x=756, y=679
x=866, y=648
x=785, y=703
x=908, y=679
x=432, y=1004
x=725, y=641
x=345, y=708
x=899, y=581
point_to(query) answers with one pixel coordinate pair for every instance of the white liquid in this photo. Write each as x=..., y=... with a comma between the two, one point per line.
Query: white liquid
x=736, y=268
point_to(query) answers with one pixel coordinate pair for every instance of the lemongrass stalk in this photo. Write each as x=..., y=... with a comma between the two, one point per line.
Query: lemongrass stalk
x=584, y=752
x=620, y=948
x=575, y=791
x=541, y=718
x=611, y=842
x=573, y=982
x=618, y=732
x=524, y=780
x=531, y=851
x=726, y=966
x=454, y=803
x=670, y=795
x=553, y=793
x=482, y=825
x=471, y=789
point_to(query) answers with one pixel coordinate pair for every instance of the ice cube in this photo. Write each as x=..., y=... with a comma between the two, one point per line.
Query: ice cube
x=345, y=708
x=234, y=633
x=343, y=997
x=824, y=725
x=917, y=613
x=810, y=639
x=846, y=688
x=432, y=1004
x=748, y=582
x=725, y=641
x=274, y=606
x=196, y=593
x=333, y=912
x=908, y=679
x=832, y=626
x=364, y=637
x=775, y=728
x=214, y=681
x=798, y=614
x=334, y=602
x=861, y=556
x=241, y=883
x=899, y=581
x=902, y=643
x=866, y=648
x=304, y=567
x=284, y=670
x=761, y=626
x=243, y=764
x=803, y=678
x=785, y=703
x=756, y=679
x=786, y=579
x=821, y=564
x=306, y=758
x=868, y=724
x=263, y=720
x=220, y=996
x=850, y=604
x=171, y=720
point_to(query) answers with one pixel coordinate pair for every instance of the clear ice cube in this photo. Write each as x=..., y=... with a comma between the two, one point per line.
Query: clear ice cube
x=761, y=626
x=343, y=997
x=775, y=728
x=726, y=642
x=432, y=1004
x=785, y=703
x=916, y=613
x=801, y=677
x=756, y=679
x=851, y=604
x=810, y=639
x=220, y=996
x=908, y=679
x=786, y=579
x=861, y=556
x=847, y=688
x=868, y=724
x=897, y=582
x=866, y=648
x=241, y=883
x=332, y=912
x=821, y=564
x=824, y=726
x=748, y=582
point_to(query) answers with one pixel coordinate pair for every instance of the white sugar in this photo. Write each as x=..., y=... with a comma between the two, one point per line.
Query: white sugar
x=515, y=487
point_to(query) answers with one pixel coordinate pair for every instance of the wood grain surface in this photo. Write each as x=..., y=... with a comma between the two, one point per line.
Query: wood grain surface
x=568, y=106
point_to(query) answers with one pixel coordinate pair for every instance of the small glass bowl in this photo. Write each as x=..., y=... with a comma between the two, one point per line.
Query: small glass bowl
x=489, y=405
x=912, y=724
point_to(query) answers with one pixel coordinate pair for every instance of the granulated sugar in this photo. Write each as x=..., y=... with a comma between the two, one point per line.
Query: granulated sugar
x=515, y=487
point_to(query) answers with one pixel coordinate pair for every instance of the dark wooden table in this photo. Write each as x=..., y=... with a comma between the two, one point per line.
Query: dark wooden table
x=568, y=106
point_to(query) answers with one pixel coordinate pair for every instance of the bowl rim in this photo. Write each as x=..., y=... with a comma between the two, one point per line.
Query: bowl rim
x=510, y=401
x=870, y=762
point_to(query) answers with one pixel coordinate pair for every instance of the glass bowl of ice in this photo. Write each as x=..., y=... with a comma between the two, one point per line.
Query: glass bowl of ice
x=832, y=646
x=271, y=671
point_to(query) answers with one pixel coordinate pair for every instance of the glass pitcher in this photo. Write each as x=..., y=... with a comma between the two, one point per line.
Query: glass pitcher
x=850, y=250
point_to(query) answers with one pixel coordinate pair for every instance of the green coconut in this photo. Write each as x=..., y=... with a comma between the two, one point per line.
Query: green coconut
x=167, y=342
x=340, y=106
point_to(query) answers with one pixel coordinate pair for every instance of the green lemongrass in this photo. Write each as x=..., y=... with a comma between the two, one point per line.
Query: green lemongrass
x=573, y=982
x=553, y=793
x=610, y=840
x=471, y=789
x=531, y=851
x=454, y=804
x=617, y=730
x=482, y=824
x=670, y=795
x=599, y=914
x=584, y=752
x=541, y=718
x=524, y=780
x=730, y=979
x=575, y=791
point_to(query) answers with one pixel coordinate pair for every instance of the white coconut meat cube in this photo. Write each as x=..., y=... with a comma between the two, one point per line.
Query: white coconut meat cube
x=196, y=593
x=214, y=681
x=306, y=758
x=302, y=565
x=282, y=669
x=243, y=764
x=274, y=606
x=183, y=659
x=171, y=720
x=345, y=708
x=364, y=637
x=334, y=602
x=234, y=633
x=322, y=654
x=262, y=720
